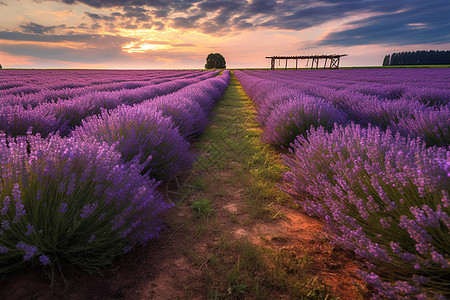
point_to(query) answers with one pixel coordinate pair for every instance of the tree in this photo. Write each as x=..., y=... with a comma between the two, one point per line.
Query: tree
x=386, y=60
x=215, y=61
x=0, y=66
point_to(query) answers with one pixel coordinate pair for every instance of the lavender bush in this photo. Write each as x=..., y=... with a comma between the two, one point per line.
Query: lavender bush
x=296, y=116
x=68, y=203
x=428, y=96
x=188, y=117
x=384, y=113
x=432, y=125
x=276, y=96
x=382, y=196
x=140, y=131
x=16, y=120
x=206, y=93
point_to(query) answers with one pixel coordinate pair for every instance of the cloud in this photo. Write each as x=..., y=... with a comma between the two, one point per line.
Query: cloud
x=416, y=23
x=91, y=39
x=183, y=45
x=215, y=5
x=32, y=27
x=133, y=14
x=187, y=23
x=97, y=17
x=262, y=6
x=161, y=13
x=137, y=13
x=181, y=4
x=158, y=26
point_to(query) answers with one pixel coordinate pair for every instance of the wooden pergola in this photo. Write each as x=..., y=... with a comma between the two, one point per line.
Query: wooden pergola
x=334, y=60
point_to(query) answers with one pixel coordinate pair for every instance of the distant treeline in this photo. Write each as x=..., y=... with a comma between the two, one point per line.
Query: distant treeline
x=423, y=57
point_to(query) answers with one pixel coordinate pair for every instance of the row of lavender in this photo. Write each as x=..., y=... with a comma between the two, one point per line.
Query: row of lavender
x=379, y=193
x=20, y=82
x=82, y=200
x=61, y=110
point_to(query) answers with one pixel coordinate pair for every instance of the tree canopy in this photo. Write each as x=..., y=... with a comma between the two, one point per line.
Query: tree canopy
x=215, y=61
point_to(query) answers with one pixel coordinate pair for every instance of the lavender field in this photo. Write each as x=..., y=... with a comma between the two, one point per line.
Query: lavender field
x=369, y=155
x=82, y=154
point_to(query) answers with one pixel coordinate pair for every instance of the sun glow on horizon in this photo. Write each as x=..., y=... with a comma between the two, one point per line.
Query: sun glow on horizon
x=143, y=46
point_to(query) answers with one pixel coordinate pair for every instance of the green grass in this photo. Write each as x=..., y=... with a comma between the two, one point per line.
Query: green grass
x=242, y=270
x=202, y=208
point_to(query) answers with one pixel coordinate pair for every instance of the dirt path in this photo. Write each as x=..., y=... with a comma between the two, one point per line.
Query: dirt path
x=228, y=237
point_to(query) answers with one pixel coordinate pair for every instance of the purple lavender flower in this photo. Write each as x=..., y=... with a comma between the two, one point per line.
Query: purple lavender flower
x=6, y=225
x=71, y=185
x=62, y=187
x=5, y=207
x=38, y=195
x=88, y=210
x=438, y=258
x=403, y=287
x=91, y=238
x=445, y=200
x=44, y=260
x=20, y=209
x=63, y=208
x=30, y=229
x=29, y=250
x=384, y=223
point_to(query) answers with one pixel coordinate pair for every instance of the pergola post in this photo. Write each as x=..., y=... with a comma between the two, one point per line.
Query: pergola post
x=272, y=63
x=315, y=60
x=285, y=67
x=296, y=63
x=325, y=64
x=334, y=63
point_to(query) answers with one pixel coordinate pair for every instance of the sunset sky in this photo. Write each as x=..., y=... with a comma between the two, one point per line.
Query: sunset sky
x=180, y=34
